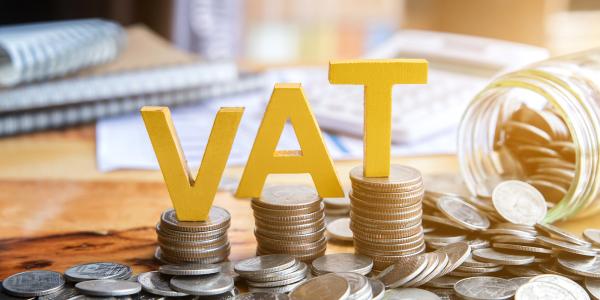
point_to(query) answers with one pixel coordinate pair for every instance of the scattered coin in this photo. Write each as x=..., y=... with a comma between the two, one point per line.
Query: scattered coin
x=264, y=264
x=485, y=288
x=402, y=271
x=409, y=293
x=359, y=285
x=580, y=266
x=326, y=287
x=377, y=289
x=342, y=262
x=519, y=202
x=592, y=235
x=190, y=269
x=205, y=285
x=261, y=296
x=340, y=230
x=462, y=213
x=540, y=290
x=98, y=270
x=491, y=255
x=33, y=283
x=108, y=287
x=573, y=287
x=158, y=284
x=592, y=285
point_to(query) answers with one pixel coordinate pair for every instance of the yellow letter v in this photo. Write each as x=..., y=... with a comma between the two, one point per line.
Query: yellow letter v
x=191, y=201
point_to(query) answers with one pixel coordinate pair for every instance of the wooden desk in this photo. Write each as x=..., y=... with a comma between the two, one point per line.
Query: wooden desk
x=57, y=210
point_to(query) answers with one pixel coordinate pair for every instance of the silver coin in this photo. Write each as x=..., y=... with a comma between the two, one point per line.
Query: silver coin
x=299, y=269
x=33, y=283
x=84, y=297
x=485, y=288
x=190, y=269
x=540, y=290
x=592, y=235
x=343, y=262
x=97, y=270
x=202, y=285
x=519, y=202
x=340, y=230
x=552, y=230
x=359, y=285
x=278, y=289
x=108, y=287
x=491, y=255
x=264, y=264
x=5, y=296
x=217, y=218
x=276, y=283
x=409, y=293
x=592, y=285
x=155, y=283
x=224, y=296
x=580, y=266
x=261, y=296
x=462, y=213
x=325, y=287
x=566, y=246
x=227, y=269
x=63, y=294
x=566, y=283
x=146, y=296
x=519, y=281
x=377, y=289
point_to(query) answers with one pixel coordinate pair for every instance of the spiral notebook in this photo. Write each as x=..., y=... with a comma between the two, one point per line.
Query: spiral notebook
x=150, y=72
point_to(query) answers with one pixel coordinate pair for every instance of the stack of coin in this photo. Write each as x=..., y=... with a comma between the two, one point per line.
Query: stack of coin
x=193, y=242
x=386, y=215
x=274, y=273
x=536, y=145
x=337, y=207
x=289, y=219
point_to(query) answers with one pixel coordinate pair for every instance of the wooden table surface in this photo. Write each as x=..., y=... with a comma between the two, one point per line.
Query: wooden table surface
x=57, y=210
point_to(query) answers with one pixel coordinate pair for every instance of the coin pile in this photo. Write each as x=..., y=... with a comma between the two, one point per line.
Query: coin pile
x=193, y=242
x=536, y=145
x=386, y=215
x=289, y=219
x=337, y=207
x=274, y=273
x=342, y=263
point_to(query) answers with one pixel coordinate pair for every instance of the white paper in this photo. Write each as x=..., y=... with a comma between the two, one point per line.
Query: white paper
x=122, y=142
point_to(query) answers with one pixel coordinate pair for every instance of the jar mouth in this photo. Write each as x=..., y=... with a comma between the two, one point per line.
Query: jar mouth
x=476, y=151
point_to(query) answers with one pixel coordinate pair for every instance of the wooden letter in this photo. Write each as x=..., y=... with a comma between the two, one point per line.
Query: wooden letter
x=378, y=77
x=191, y=201
x=288, y=102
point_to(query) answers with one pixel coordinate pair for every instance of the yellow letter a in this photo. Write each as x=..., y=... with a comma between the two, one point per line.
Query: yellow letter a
x=191, y=198
x=288, y=102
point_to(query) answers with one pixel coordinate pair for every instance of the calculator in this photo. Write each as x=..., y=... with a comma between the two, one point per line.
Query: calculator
x=459, y=67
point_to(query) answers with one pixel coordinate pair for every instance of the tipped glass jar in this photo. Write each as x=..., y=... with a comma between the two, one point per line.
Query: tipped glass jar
x=540, y=125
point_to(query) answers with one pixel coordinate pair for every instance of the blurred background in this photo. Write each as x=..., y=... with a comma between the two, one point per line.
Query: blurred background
x=97, y=62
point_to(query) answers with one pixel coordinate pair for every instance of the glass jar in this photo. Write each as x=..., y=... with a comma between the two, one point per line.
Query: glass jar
x=541, y=125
